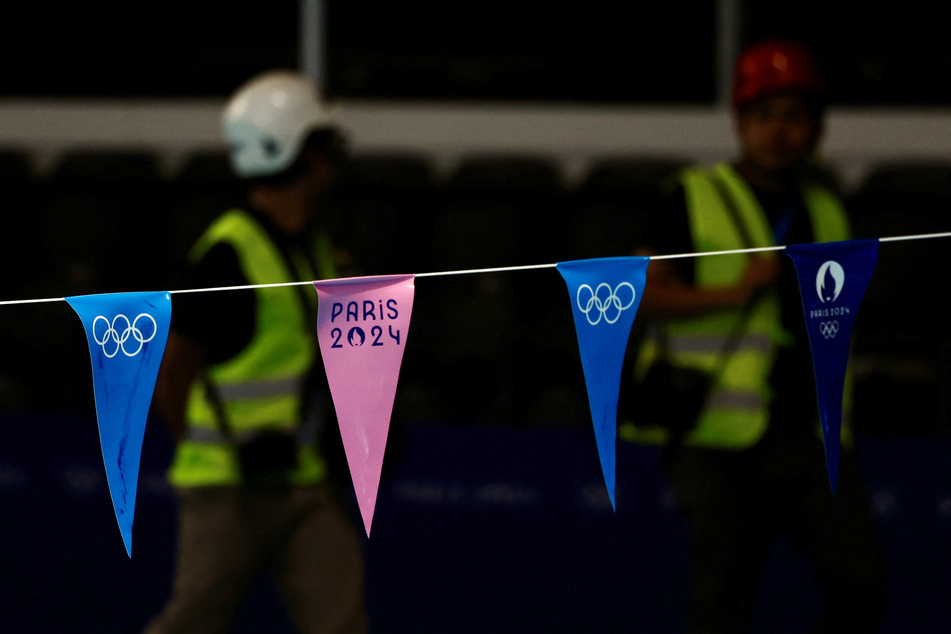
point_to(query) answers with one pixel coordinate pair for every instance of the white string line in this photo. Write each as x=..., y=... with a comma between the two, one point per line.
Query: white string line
x=780, y=248
x=921, y=236
x=495, y=270
x=32, y=301
x=239, y=288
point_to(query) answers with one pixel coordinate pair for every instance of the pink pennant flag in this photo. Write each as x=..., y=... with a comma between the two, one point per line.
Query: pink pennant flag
x=362, y=324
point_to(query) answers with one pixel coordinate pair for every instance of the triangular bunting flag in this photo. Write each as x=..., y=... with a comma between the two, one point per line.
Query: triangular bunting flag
x=833, y=278
x=605, y=294
x=362, y=326
x=126, y=333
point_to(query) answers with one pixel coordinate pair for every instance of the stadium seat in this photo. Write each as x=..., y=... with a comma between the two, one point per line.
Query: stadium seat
x=382, y=211
x=100, y=222
x=93, y=168
x=96, y=232
x=613, y=203
x=903, y=200
x=203, y=188
x=902, y=344
x=499, y=211
x=606, y=218
x=493, y=211
x=15, y=167
x=18, y=182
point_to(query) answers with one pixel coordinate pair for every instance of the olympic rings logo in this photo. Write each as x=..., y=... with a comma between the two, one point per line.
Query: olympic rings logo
x=603, y=302
x=119, y=339
x=829, y=329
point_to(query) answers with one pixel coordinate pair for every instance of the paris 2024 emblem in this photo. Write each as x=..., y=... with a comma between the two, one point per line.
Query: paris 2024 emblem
x=829, y=283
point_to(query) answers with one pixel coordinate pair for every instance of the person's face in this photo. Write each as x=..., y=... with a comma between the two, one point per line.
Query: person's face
x=314, y=182
x=778, y=132
x=321, y=173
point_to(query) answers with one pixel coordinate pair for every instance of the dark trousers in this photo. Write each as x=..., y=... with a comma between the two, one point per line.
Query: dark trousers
x=737, y=502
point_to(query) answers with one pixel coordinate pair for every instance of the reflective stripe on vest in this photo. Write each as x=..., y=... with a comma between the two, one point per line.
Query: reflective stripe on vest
x=261, y=387
x=714, y=343
x=735, y=399
x=736, y=415
x=207, y=464
x=204, y=435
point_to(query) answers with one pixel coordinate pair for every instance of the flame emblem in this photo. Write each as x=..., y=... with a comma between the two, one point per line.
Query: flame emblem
x=829, y=281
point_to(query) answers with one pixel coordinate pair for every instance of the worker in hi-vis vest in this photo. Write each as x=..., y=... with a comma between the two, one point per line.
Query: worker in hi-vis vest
x=750, y=466
x=242, y=387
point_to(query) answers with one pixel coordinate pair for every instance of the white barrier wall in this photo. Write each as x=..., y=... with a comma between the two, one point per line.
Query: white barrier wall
x=855, y=139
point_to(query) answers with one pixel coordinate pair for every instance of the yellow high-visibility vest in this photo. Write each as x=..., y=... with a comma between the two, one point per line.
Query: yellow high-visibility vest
x=262, y=386
x=737, y=411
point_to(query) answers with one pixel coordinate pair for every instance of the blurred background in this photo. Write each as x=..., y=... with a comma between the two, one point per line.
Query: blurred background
x=484, y=135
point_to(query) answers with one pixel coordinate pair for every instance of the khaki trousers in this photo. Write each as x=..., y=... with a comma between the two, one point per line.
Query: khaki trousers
x=228, y=535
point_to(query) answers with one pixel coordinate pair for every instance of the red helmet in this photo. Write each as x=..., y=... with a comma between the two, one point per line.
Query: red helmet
x=775, y=66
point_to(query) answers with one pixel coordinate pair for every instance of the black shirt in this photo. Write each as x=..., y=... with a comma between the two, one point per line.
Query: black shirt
x=224, y=321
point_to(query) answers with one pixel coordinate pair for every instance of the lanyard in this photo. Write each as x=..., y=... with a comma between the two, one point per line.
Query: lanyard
x=782, y=226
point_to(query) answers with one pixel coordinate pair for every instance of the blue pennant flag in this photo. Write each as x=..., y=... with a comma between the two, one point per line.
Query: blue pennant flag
x=833, y=278
x=126, y=334
x=605, y=294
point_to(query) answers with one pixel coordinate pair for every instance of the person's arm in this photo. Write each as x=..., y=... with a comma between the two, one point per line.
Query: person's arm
x=181, y=366
x=207, y=328
x=670, y=291
x=667, y=297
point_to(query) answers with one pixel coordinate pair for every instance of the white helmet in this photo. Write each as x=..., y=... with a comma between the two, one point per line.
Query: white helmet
x=267, y=120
